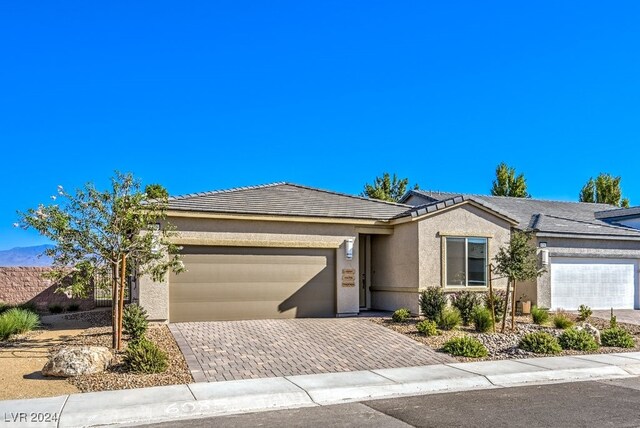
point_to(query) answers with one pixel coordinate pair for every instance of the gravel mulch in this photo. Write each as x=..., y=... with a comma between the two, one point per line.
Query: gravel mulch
x=117, y=377
x=503, y=346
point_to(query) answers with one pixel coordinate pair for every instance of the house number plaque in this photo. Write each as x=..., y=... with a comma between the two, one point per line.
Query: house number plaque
x=348, y=277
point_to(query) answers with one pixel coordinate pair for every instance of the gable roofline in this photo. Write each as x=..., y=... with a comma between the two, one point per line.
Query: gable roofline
x=620, y=213
x=285, y=183
x=429, y=193
x=603, y=225
x=436, y=206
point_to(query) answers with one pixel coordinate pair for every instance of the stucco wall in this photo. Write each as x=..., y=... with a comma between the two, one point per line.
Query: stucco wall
x=465, y=220
x=27, y=285
x=394, y=269
x=572, y=247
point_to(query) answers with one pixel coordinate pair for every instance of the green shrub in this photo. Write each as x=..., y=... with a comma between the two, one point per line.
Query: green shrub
x=55, y=308
x=144, y=356
x=562, y=320
x=135, y=321
x=465, y=346
x=465, y=301
x=579, y=340
x=427, y=328
x=499, y=297
x=432, y=302
x=73, y=307
x=613, y=321
x=617, y=337
x=584, y=312
x=482, y=320
x=540, y=343
x=449, y=319
x=539, y=315
x=17, y=321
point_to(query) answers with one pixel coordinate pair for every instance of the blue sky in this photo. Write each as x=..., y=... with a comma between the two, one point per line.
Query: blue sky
x=208, y=95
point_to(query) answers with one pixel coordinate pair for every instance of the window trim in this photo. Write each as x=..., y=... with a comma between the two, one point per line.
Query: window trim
x=466, y=238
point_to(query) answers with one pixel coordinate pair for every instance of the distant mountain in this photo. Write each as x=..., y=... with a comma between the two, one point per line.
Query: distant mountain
x=25, y=256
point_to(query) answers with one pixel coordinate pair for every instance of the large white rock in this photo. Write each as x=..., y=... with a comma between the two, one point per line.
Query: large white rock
x=74, y=361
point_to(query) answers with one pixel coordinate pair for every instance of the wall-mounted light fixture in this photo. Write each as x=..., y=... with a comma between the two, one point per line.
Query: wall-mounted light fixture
x=544, y=257
x=348, y=249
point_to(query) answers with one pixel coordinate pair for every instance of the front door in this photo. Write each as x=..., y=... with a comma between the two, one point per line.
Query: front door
x=364, y=258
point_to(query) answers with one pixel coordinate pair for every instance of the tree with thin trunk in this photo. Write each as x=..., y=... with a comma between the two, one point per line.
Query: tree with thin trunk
x=605, y=189
x=517, y=261
x=387, y=188
x=106, y=233
x=508, y=184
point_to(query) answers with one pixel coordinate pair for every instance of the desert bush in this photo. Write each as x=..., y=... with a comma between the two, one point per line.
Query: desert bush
x=465, y=346
x=482, y=320
x=135, y=321
x=465, y=301
x=579, y=340
x=17, y=321
x=584, y=313
x=499, y=296
x=432, y=302
x=540, y=343
x=427, y=328
x=539, y=315
x=449, y=319
x=144, y=356
x=55, y=308
x=561, y=320
x=617, y=337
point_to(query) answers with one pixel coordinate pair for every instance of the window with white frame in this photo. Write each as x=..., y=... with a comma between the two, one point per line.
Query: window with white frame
x=466, y=262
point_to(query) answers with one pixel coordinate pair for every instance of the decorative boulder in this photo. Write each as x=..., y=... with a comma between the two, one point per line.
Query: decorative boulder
x=74, y=361
x=592, y=330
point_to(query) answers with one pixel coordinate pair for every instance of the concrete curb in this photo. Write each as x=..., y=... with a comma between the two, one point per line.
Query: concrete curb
x=176, y=402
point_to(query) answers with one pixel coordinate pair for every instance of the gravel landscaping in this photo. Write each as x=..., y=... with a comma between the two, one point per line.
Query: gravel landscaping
x=503, y=346
x=117, y=377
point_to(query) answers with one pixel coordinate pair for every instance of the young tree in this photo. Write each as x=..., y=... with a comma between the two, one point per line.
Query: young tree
x=507, y=184
x=99, y=232
x=156, y=191
x=387, y=188
x=605, y=189
x=516, y=261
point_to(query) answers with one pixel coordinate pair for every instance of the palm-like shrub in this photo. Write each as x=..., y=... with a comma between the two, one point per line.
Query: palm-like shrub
x=17, y=321
x=144, y=356
x=539, y=315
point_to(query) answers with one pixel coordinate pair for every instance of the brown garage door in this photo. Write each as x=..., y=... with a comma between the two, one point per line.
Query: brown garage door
x=237, y=283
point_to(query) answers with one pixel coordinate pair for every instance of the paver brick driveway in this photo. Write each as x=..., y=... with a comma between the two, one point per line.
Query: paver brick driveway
x=229, y=350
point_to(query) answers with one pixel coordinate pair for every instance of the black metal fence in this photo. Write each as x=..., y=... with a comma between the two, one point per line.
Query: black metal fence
x=103, y=290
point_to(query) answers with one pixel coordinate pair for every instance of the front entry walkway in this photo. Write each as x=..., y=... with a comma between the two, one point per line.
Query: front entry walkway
x=231, y=350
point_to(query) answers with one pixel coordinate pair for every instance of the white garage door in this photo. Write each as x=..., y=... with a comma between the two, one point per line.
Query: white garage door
x=598, y=283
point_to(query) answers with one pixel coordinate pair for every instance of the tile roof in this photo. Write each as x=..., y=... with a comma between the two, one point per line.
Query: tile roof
x=542, y=215
x=436, y=205
x=287, y=199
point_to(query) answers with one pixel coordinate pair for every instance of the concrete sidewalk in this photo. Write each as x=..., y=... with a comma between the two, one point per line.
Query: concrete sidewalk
x=172, y=403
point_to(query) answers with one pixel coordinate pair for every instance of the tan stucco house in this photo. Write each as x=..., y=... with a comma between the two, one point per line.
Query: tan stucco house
x=284, y=250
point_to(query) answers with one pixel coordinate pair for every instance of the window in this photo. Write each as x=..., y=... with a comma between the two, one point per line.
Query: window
x=466, y=262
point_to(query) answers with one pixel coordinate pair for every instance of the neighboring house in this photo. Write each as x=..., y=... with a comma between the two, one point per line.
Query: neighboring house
x=592, y=250
x=284, y=250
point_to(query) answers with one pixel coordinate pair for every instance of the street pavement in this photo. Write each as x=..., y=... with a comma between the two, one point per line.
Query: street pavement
x=610, y=403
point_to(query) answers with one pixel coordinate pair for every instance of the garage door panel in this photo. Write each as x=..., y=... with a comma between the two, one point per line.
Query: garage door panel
x=598, y=283
x=253, y=283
